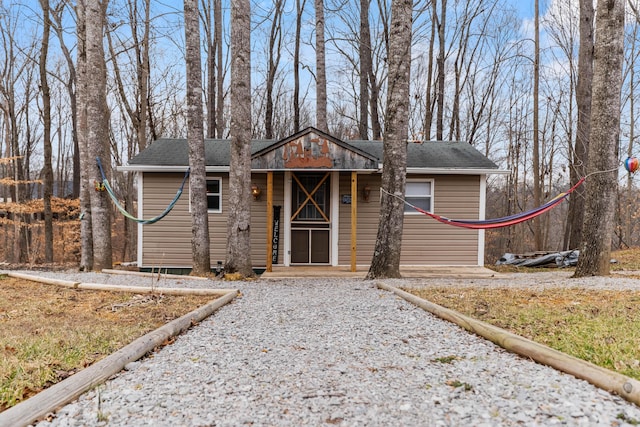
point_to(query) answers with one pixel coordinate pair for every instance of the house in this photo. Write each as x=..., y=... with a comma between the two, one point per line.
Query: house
x=316, y=201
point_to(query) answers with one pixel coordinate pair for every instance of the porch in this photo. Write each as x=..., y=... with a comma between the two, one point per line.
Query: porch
x=458, y=272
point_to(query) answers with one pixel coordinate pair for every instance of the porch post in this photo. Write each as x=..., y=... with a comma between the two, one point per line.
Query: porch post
x=354, y=218
x=269, y=220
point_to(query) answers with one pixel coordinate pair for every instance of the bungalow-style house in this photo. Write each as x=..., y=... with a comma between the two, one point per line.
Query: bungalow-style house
x=315, y=201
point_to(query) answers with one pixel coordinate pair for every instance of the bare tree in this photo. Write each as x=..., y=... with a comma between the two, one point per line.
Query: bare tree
x=97, y=136
x=86, y=218
x=296, y=66
x=200, y=250
x=238, y=225
x=135, y=104
x=579, y=154
x=321, y=72
x=386, y=254
x=537, y=191
x=46, y=137
x=605, y=129
x=365, y=68
x=273, y=62
x=212, y=11
x=440, y=22
x=70, y=84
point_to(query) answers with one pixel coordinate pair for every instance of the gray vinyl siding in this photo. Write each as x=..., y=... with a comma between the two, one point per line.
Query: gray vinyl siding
x=167, y=243
x=425, y=241
x=367, y=221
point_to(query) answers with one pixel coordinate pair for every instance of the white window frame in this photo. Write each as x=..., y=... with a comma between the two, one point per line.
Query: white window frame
x=215, y=211
x=408, y=209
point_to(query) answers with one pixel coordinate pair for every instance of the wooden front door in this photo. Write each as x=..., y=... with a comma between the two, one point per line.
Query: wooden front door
x=310, y=223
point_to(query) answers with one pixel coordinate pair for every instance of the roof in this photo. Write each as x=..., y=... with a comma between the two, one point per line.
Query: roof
x=431, y=156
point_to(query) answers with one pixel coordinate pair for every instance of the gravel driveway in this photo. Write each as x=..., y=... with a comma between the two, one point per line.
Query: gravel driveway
x=339, y=352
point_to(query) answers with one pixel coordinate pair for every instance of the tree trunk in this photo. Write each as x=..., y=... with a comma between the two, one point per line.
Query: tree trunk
x=605, y=129
x=580, y=154
x=46, y=136
x=386, y=255
x=86, y=229
x=71, y=86
x=98, y=131
x=441, y=71
x=296, y=66
x=428, y=107
x=207, y=13
x=217, y=18
x=239, y=222
x=537, y=191
x=321, y=74
x=200, y=250
x=275, y=48
x=365, y=69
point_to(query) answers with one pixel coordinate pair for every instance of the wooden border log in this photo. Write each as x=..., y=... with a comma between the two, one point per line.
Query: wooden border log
x=54, y=397
x=118, y=288
x=46, y=280
x=152, y=289
x=152, y=274
x=613, y=382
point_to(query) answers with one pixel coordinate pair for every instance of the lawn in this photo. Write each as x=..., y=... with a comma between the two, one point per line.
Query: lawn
x=50, y=332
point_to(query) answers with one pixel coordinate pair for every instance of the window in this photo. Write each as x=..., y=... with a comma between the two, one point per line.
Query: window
x=420, y=194
x=214, y=194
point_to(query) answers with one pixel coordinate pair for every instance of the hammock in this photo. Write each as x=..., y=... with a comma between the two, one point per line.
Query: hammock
x=504, y=221
x=114, y=198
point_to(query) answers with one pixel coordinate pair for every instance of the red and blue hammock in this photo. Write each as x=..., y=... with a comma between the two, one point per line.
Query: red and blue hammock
x=504, y=221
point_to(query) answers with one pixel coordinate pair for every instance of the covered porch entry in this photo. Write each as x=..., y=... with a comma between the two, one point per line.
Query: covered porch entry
x=311, y=163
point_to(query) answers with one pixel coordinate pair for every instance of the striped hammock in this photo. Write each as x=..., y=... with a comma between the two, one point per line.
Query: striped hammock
x=126, y=214
x=504, y=221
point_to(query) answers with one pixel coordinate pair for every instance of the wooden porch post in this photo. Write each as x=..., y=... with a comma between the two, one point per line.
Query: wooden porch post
x=269, y=220
x=354, y=218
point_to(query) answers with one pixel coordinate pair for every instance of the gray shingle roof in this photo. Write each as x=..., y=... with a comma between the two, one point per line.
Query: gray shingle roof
x=434, y=154
x=174, y=152
x=430, y=155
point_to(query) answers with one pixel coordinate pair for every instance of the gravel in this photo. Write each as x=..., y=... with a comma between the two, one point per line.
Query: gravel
x=340, y=352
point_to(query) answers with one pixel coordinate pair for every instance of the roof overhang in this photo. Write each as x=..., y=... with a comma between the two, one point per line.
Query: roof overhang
x=457, y=171
x=433, y=171
x=160, y=168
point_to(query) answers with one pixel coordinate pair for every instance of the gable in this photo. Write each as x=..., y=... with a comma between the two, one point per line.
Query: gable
x=312, y=149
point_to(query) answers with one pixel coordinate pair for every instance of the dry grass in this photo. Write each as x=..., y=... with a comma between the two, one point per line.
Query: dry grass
x=50, y=332
x=594, y=325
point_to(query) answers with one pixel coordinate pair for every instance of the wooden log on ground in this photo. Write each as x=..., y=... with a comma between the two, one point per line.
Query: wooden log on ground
x=613, y=382
x=46, y=280
x=60, y=394
x=153, y=274
x=152, y=289
x=118, y=288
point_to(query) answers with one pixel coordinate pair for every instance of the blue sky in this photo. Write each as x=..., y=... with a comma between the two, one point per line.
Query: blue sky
x=525, y=7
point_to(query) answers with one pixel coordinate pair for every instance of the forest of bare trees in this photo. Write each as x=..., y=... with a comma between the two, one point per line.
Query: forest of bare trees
x=486, y=72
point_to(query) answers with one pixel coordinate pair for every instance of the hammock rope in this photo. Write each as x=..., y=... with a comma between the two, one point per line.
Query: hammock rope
x=496, y=222
x=123, y=211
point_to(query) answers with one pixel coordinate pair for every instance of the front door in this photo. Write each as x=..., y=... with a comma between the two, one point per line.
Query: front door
x=310, y=219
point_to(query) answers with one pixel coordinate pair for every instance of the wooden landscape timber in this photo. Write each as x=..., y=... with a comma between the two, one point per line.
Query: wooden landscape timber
x=613, y=382
x=58, y=395
x=118, y=288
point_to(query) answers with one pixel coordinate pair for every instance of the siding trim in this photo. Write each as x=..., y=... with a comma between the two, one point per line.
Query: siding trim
x=335, y=216
x=482, y=211
x=287, y=219
x=140, y=180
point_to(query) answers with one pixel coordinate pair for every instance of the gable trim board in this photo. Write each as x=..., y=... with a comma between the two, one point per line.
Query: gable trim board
x=459, y=189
